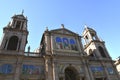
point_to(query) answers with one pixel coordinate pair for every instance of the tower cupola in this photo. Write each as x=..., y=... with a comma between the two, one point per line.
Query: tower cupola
x=89, y=35
x=94, y=46
x=18, y=22
x=15, y=34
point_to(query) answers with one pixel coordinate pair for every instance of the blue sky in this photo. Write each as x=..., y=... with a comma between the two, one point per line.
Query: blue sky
x=101, y=15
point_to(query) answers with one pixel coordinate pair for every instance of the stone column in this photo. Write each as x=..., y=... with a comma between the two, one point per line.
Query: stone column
x=18, y=45
x=18, y=68
x=22, y=42
x=46, y=69
x=14, y=25
x=106, y=72
x=53, y=70
x=7, y=43
x=47, y=41
x=4, y=39
x=52, y=43
x=88, y=73
x=79, y=45
x=56, y=71
x=21, y=25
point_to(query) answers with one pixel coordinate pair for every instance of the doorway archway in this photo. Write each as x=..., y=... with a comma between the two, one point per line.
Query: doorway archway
x=71, y=73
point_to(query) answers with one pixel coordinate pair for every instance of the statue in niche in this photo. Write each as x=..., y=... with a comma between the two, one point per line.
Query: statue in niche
x=66, y=43
x=59, y=43
x=73, y=44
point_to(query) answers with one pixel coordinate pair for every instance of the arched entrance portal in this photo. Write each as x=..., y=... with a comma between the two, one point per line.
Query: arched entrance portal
x=71, y=73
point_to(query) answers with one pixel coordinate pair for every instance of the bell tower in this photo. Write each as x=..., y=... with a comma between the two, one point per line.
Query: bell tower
x=94, y=47
x=15, y=34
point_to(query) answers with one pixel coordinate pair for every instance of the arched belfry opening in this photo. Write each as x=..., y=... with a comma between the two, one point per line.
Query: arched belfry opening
x=13, y=41
x=18, y=24
x=71, y=73
x=102, y=52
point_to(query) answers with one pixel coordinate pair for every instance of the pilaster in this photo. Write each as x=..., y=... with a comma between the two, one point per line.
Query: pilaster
x=18, y=68
x=88, y=73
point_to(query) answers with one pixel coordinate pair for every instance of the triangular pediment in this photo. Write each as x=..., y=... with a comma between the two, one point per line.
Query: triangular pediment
x=63, y=31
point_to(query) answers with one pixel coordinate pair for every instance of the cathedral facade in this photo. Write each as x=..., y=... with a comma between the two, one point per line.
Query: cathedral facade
x=60, y=56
